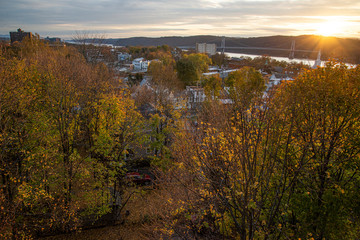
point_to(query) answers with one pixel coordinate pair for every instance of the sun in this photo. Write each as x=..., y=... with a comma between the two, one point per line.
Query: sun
x=334, y=27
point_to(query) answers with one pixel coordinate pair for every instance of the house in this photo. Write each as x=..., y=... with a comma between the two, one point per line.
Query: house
x=145, y=65
x=194, y=96
x=276, y=79
x=280, y=77
x=123, y=56
x=137, y=63
x=140, y=64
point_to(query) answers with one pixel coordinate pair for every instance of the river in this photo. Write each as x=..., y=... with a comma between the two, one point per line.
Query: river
x=309, y=62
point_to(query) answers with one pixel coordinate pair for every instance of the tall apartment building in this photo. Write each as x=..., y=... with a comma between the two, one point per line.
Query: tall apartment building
x=19, y=35
x=206, y=48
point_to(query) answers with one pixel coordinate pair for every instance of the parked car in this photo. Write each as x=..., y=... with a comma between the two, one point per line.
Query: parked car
x=138, y=179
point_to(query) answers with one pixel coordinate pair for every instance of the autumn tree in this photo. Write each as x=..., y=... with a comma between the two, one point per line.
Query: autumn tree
x=59, y=156
x=212, y=85
x=92, y=47
x=221, y=168
x=163, y=75
x=283, y=167
x=165, y=87
x=244, y=85
x=14, y=102
x=324, y=106
x=191, y=67
x=219, y=59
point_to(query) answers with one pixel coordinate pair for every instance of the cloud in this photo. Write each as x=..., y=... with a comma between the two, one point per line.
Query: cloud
x=165, y=17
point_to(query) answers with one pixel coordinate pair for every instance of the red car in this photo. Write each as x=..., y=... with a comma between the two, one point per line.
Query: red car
x=138, y=179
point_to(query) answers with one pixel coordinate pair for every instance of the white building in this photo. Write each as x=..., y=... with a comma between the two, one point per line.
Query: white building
x=137, y=63
x=220, y=73
x=140, y=64
x=145, y=65
x=206, y=48
x=276, y=79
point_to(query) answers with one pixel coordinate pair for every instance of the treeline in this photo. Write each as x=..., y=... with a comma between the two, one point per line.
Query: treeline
x=331, y=47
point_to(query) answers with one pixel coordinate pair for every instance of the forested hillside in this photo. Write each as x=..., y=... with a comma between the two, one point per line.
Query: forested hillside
x=331, y=47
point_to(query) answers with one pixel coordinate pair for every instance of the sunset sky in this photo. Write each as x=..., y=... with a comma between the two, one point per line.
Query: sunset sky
x=155, y=18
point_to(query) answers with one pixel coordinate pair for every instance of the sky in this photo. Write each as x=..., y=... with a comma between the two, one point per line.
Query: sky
x=156, y=18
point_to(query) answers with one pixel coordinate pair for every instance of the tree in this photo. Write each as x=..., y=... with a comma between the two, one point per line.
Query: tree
x=283, y=167
x=16, y=96
x=219, y=59
x=212, y=86
x=325, y=108
x=245, y=85
x=53, y=170
x=163, y=75
x=191, y=67
x=226, y=167
x=92, y=47
x=119, y=128
x=165, y=86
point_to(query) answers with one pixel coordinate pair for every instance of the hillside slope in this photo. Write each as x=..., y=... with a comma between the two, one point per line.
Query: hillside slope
x=331, y=47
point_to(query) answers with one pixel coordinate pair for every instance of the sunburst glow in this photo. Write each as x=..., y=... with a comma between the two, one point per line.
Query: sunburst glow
x=334, y=27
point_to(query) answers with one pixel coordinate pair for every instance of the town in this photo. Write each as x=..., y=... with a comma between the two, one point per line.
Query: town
x=132, y=64
x=159, y=142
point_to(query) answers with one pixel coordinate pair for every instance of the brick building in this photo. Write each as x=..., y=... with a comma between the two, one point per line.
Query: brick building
x=19, y=35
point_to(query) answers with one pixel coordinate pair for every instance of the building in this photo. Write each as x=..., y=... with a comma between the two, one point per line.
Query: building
x=123, y=56
x=140, y=64
x=194, y=96
x=53, y=40
x=145, y=65
x=206, y=48
x=19, y=35
x=137, y=63
x=220, y=72
x=276, y=79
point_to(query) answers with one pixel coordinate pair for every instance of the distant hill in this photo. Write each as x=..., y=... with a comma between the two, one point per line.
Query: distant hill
x=4, y=37
x=331, y=47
